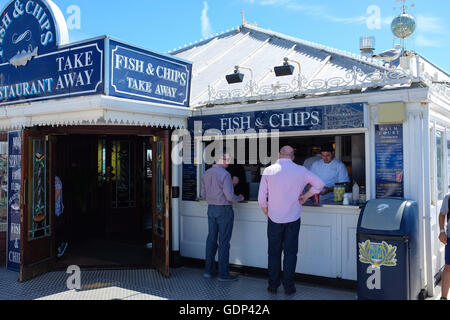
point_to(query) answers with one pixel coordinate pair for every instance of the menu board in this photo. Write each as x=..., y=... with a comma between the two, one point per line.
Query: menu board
x=14, y=182
x=389, y=161
x=190, y=178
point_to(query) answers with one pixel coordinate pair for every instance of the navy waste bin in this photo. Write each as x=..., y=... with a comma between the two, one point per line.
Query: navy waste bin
x=388, y=256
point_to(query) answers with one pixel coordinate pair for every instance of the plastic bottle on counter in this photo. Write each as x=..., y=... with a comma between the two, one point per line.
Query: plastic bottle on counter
x=355, y=193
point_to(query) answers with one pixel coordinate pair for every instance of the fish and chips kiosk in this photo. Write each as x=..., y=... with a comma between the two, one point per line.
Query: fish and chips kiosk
x=389, y=125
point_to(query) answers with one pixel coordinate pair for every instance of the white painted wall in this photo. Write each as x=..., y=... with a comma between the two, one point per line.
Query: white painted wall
x=327, y=243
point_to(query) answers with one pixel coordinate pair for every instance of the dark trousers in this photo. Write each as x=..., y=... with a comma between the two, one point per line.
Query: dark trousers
x=220, y=226
x=282, y=238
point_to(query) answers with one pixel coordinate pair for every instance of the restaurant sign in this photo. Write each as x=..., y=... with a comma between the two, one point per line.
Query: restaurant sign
x=75, y=70
x=36, y=63
x=34, y=66
x=331, y=117
x=148, y=76
x=30, y=28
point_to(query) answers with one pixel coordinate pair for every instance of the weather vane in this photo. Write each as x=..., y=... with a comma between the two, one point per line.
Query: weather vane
x=404, y=6
x=404, y=24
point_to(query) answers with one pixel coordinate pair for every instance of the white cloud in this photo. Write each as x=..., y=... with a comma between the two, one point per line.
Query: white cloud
x=423, y=41
x=206, y=24
x=430, y=24
x=431, y=32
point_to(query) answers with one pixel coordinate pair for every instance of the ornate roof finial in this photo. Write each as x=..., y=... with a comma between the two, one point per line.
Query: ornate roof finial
x=244, y=22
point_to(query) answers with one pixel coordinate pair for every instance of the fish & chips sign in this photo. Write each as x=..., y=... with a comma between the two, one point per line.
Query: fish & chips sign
x=29, y=28
x=35, y=65
x=36, y=62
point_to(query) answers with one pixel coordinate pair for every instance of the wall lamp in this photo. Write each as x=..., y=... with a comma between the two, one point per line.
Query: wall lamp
x=286, y=69
x=237, y=77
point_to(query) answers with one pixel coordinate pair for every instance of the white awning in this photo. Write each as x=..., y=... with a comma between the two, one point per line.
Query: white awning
x=92, y=110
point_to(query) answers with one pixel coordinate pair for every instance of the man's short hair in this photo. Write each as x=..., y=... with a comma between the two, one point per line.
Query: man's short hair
x=327, y=148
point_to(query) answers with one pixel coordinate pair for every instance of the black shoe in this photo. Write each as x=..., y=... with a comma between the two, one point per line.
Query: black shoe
x=290, y=292
x=230, y=278
x=272, y=290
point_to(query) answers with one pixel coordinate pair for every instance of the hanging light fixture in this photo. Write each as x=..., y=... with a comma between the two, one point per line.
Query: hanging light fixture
x=285, y=70
x=235, y=77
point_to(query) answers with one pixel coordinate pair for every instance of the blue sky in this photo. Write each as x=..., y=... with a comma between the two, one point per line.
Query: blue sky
x=163, y=25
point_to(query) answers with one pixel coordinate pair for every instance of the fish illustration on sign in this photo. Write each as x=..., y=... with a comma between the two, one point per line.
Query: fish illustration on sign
x=22, y=58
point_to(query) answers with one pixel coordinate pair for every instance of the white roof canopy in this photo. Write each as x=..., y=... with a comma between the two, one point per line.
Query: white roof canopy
x=92, y=110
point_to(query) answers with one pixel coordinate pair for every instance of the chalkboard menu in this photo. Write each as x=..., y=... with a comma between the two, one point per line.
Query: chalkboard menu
x=190, y=178
x=14, y=182
x=389, y=161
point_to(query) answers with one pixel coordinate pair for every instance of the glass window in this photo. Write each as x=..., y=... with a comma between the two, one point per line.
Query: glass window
x=123, y=174
x=40, y=226
x=440, y=165
x=251, y=156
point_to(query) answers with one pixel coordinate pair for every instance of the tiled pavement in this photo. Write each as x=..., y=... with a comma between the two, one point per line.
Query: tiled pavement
x=184, y=284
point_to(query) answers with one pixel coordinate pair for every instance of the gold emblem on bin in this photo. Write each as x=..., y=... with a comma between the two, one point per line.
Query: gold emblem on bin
x=378, y=254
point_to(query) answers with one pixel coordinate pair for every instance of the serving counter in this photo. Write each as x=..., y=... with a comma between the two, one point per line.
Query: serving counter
x=327, y=244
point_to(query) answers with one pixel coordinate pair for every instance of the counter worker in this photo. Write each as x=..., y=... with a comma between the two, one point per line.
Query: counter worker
x=238, y=176
x=316, y=157
x=217, y=189
x=444, y=238
x=281, y=199
x=331, y=171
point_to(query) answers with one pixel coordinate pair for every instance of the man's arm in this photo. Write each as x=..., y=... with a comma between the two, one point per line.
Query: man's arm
x=57, y=193
x=442, y=235
x=262, y=196
x=228, y=190
x=203, y=195
x=316, y=186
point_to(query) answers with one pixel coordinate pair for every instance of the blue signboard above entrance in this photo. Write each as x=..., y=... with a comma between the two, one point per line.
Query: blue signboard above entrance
x=75, y=70
x=36, y=63
x=144, y=75
x=332, y=117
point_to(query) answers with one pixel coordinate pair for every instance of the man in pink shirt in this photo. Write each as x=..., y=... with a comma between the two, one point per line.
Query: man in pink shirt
x=281, y=198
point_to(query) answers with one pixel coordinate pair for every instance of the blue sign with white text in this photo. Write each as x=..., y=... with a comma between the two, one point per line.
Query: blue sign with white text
x=389, y=160
x=14, y=183
x=147, y=76
x=332, y=117
x=27, y=30
x=74, y=70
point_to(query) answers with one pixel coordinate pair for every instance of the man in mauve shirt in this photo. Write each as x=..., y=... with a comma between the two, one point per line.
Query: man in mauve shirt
x=217, y=189
x=281, y=198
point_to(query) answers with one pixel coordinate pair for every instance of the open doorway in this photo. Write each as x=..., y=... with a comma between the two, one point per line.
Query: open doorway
x=107, y=195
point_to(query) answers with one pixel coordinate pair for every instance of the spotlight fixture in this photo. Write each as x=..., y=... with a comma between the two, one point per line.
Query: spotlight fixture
x=286, y=69
x=235, y=77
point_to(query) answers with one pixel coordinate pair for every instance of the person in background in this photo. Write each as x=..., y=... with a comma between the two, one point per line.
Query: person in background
x=61, y=233
x=239, y=179
x=281, y=199
x=331, y=171
x=217, y=189
x=444, y=238
x=315, y=157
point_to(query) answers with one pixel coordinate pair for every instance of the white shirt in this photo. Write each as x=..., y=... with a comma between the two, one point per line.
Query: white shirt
x=330, y=173
x=309, y=162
